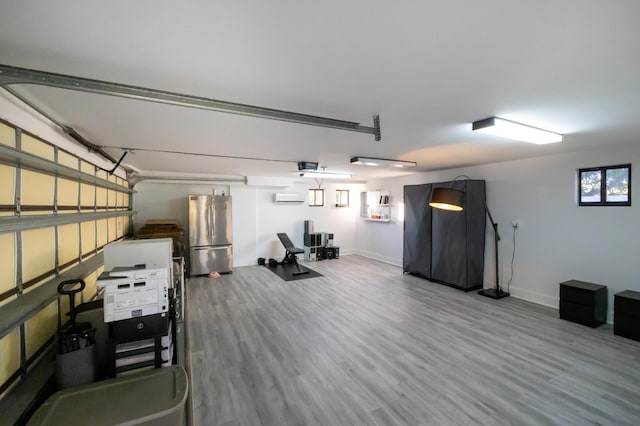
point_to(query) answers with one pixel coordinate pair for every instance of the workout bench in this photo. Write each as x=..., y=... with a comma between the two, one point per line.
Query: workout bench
x=290, y=255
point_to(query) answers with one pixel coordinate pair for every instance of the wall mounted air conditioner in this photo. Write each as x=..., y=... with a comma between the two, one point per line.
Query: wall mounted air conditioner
x=288, y=197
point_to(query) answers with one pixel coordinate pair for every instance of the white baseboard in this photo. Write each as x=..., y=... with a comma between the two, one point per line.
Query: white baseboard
x=374, y=256
x=531, y=296
x=346, y=252
x=246, y=264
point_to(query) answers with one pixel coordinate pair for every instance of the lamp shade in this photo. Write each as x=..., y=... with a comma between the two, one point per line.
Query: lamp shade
x=447, y=199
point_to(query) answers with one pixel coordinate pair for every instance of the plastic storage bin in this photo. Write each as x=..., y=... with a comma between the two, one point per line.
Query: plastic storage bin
x=153, y=397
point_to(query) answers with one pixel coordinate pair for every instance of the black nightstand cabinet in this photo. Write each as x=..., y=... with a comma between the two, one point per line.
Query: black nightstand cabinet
x=584, y=303
x=626, y=314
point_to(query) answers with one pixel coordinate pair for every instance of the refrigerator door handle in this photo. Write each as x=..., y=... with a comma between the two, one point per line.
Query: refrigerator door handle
x=212, y=248
x=211, y=219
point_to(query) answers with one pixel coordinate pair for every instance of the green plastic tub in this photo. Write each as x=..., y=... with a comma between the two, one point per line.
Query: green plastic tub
x=152, y=397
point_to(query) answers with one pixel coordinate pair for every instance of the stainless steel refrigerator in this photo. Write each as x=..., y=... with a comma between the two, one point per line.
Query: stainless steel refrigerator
x=210, y=234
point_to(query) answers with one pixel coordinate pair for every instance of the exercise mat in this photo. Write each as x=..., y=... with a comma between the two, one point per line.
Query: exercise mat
x=286, y=272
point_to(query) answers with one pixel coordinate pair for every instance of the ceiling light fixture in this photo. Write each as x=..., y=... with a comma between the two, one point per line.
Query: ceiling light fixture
x=511, y=130
x=368, y=161
x=326, y=175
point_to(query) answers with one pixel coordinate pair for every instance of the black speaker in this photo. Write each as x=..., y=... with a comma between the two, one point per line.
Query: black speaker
x=261, y=261
x=312, y=240
x=330, y=252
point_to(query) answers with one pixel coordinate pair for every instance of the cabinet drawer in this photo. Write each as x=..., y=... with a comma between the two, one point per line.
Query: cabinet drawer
x=626, y=326
x=576, y=295
x=627, y=303
x=582, y=314
x=140, y=328
x=583, y=293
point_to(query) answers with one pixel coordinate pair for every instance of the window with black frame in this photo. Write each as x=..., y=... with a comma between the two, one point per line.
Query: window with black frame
x=605, y=186
x=316, y=197
x=342, y=198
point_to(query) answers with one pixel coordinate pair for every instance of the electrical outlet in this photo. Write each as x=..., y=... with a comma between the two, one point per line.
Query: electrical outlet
x=514, y=224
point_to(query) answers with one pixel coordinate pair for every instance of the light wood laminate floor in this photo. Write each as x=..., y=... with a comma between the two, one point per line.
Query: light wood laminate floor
x=365, y=344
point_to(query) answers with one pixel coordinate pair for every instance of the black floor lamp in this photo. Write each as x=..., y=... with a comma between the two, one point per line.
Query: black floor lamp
x=453, y=199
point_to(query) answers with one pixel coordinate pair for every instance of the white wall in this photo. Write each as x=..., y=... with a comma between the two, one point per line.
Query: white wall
x=379, y=240
x=289, y=218
x=556, y=240
x=256, y=218
x=245, y=225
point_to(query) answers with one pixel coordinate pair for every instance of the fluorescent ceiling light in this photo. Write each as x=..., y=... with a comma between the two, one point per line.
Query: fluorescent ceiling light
x=512, y=130
x=326, y=175
x=368, y=161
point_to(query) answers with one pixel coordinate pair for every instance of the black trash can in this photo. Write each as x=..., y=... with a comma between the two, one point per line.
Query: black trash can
x=75, y=347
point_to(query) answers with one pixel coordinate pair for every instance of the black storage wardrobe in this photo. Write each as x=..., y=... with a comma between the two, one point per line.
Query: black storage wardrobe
x=445, y=246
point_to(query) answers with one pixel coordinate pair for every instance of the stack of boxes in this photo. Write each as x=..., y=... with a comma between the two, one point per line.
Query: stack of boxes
x=312, y=246
x=163, y=228
x=318, y=245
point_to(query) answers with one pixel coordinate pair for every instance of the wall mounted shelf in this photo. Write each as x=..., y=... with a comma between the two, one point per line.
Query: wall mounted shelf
x=375, y=206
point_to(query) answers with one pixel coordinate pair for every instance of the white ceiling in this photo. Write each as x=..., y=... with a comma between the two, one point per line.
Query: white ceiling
x=428, y=68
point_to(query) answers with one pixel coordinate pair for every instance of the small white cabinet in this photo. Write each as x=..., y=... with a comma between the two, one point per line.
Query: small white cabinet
x=375, y=206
